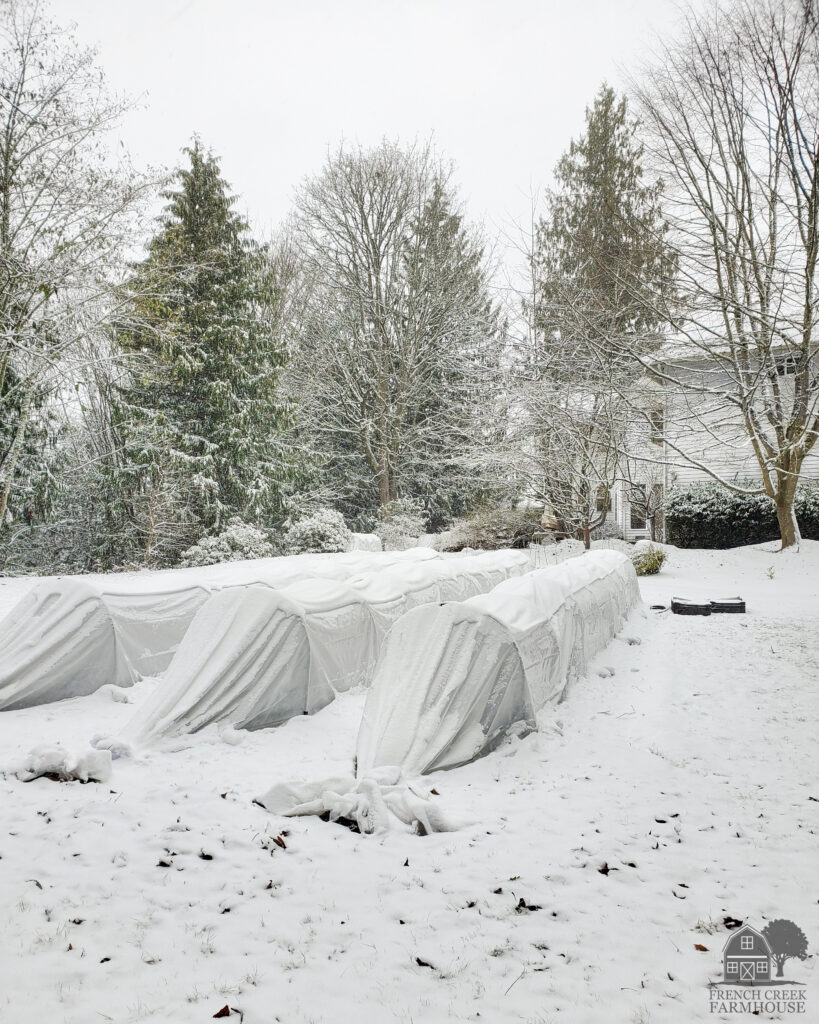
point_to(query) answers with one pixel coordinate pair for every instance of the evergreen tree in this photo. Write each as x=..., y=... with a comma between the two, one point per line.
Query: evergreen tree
x=602, y=241
x=201, y=417
x=446, y=270
x=598, y=254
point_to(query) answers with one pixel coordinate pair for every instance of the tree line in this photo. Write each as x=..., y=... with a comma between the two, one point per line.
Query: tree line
x=162, y=378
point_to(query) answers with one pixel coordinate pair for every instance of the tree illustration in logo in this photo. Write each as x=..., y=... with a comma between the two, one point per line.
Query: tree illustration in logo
x=786, y=940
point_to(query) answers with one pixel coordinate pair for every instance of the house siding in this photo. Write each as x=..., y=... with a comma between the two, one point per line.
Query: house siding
x=707, y=434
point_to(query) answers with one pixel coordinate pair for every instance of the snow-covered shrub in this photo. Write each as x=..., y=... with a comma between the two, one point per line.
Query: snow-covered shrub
x=609, y=529
x=491, y=528
x=322, y=531
x=648, y=561
x=401, y=523
x=364, y=542
x=236, y=542
x=707, y=515
x=447, y=540
x=614, y=544
x=807, y=510
x=58, y=764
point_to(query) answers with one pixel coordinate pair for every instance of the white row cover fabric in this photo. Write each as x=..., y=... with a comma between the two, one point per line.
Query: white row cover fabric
x=452, y=680
x=70, y=635
x=255, y=657
x=375, y=804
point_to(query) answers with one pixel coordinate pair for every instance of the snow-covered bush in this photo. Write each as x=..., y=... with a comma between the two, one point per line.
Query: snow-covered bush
x=58, y=764
x=609, y=529
x=401, y=523
x=496, y=527
x=364, y=542
x=322, y=531
x=236, y=542
x=614, y=544
x=648, y=560
x=707, y=515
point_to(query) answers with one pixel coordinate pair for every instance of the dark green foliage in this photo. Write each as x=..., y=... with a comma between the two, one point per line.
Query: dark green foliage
x=648, y=563
x=602, y=243
x=707, y=515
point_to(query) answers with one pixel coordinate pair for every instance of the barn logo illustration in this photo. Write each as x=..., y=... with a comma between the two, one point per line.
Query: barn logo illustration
x=753, y=970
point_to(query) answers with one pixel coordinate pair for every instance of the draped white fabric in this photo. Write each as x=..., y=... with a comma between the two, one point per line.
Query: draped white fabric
x=451, y=681
x=70, y=635
x=255, y=657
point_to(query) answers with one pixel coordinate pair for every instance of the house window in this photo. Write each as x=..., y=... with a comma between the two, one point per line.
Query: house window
x=762, y=967
x=747, y=942
x=655, y=418
x=732, y=967
x=637, y=501
x=786, y=365
x=602, y=501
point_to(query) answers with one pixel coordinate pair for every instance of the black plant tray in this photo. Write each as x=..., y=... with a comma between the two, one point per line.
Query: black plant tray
x=729, y=605
x=680, y=606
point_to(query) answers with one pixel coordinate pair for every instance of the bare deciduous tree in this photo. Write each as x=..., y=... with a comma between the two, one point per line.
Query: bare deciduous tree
x=66, y=213
x=399, y=328
x=732, y=120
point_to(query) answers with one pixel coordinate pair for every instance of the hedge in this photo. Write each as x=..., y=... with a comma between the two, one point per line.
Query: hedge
x=707, y=515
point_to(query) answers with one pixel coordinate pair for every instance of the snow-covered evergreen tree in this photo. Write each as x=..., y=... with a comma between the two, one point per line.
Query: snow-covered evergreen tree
x=201, y=416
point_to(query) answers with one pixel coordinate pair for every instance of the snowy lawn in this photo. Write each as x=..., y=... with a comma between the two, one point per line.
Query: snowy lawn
x=678, y=785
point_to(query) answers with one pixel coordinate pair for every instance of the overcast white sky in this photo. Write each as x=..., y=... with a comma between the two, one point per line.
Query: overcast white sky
x=270, y=84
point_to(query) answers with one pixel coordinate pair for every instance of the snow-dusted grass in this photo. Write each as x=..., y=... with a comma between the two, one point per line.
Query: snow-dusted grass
x=671, y=789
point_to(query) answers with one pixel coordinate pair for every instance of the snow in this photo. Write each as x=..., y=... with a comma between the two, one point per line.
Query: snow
x=687, y=775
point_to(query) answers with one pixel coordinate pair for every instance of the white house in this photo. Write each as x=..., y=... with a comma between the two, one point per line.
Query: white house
x=680, y=436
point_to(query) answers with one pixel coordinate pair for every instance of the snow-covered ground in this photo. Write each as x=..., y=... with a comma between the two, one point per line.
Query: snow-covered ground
x=678, y=785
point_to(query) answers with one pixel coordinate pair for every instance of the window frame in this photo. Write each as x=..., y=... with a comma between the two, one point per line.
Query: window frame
x=642, y=506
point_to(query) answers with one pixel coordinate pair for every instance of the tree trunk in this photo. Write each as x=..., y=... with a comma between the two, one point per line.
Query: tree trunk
x=787, y=525
x=785, y=514
x=9, y=463
x=387, y=487
x=779, y=965
x=149, y=542
x=384, y=488
x=586, y=535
